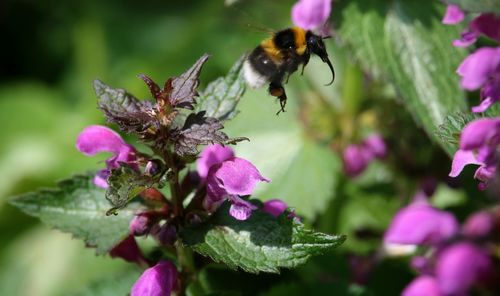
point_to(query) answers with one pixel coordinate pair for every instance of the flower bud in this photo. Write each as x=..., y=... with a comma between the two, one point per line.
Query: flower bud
x=140, y=225
x=165, y=234
x=478, y=225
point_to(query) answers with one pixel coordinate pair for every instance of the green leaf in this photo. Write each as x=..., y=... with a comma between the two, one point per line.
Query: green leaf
x=260, y=243
x=120, y=285
x=406, y=43
x=125, y=183
x=449, y=132
x=477, y=5
x=315, y=288
x=221, y=96
x=79, y=207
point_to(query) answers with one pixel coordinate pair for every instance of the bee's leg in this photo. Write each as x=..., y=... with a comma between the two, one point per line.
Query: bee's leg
x=287, y=76
x=277, y=90
x=304, y=62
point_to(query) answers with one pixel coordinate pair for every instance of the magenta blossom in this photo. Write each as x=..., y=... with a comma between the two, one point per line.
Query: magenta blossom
x=482, y=70
x=129, y=251
x=460, y=266
x=95, y=139
x=159, y=280
x=228, y=180
x=453, y=15
x=420, y=224
x=311, y=14
x=275, y=207
x=357, y=157
x=479, y=225
x=212, y=154
x=487, y=24
x=424, y=285
x=478, y=145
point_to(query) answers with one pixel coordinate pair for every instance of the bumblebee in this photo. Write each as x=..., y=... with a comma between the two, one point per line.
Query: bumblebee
x=277, y=57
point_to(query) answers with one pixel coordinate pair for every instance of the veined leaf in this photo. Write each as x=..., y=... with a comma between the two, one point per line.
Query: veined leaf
x=260, y=244
x=406, y=43
x=79, y=207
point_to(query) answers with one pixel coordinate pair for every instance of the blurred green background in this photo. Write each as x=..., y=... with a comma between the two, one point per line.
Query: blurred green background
x=52, y=51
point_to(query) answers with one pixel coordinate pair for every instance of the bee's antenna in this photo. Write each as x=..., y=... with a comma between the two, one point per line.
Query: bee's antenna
x=333, y=71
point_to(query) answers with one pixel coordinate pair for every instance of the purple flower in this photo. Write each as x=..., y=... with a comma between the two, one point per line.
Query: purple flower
x=482, y=69
x=478, y=225
x=95, y=139
x=424, y=285
x=230, y=179
x=165, y=234
x=487, y=24
x=453, y=15
x=419, y=223
x=212, y=154
x=159, y=280
x=357, y=157
x=140, y=224
x=311, y=14
x=275, y=207
x=460, y=266
x=478, y=145
x=129, y=251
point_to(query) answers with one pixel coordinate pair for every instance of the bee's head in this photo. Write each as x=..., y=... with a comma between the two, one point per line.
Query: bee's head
x=316, y=46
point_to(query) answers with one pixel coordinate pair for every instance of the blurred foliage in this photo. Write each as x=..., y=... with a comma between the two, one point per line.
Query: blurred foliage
x=56, y=48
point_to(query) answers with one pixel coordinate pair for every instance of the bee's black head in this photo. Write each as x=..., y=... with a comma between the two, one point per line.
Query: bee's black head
x=316, y=46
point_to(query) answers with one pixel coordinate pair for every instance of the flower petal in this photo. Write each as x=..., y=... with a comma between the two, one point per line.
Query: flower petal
x=478, y=225
x=235, y=176
x=478, y=67
x=460, y=160
x=421, y=224
x=461, y=266
x=97, y=138
x=376, y=145
x=159, y=280
x=355, y=158
x=101, y=178
x=487, y=24
x=485, y=104
x=424, y=285
x=311, y=14
x=479, y=132
x=212, y=154
x=453, y=15
x=128, y=250
x=241, y=209
x=275, y=207
x=467, y=38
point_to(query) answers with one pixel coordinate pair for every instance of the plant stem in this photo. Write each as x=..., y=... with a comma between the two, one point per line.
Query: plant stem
x=175, y=188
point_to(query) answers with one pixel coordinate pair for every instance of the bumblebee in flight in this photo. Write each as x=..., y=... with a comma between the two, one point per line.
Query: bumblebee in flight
x=279, y=56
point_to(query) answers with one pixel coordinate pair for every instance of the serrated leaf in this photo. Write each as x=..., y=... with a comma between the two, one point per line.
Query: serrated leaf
x=79, y=207
x=260, y=244
x=453, y=124
x=183, y=88
x=405, y=42
x=126, y=183
x=130, y=114
x=199, y=130
x=477, y=5
x=221, y=96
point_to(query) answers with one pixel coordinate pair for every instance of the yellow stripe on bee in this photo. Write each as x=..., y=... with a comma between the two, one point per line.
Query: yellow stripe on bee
x=272, y=51
x=300, y=40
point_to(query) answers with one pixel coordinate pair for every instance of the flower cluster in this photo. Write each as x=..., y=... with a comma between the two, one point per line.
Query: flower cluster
x=455, y=260
x=357, y=157
x=478, y=145
x=481, y=69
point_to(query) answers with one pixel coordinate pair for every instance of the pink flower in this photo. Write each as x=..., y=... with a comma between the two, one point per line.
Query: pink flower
x=357, y=157
x=95, y=139
x=482, y=70
x=478, y=145
x=231, y=179
x=419, y=224
x=311, y=14
x=275, y=207
x=212, y=154
x=487, y=24
x=424, y=285
x=129, y=251
x=453, y=15
x=159, y=280
x=478, y=225
x=460, y=266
